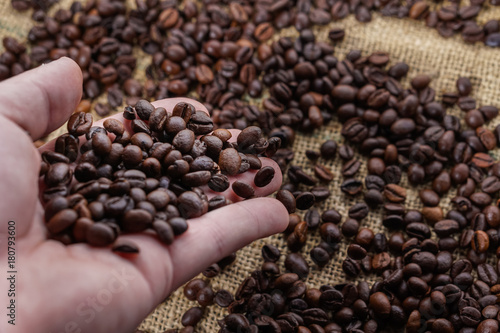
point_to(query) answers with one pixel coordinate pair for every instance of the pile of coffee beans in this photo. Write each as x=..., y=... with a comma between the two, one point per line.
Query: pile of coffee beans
x=189, y=46
x=425, y=285
x=114, y=181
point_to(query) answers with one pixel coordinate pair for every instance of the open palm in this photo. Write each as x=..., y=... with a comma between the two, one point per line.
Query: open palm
x=79, y=288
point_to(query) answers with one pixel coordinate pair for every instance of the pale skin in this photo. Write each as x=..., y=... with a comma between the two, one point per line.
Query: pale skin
x=80, y=288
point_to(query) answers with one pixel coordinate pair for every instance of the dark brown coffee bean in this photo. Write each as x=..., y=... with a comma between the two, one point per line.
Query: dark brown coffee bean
x=223, y=298
x=125, y=247
x=100, y=234
x=218, y=183
x=230, y=161
x=243, y=189
x=328, y=149
x=358, y=211
x=356, y=252
x=446, y=228
x=264, y=176
x=350, y=168
x=305, y=200
x=79, y=123
x=62, y=220
x=287, y=199
x=190, y=205
x=192, y=316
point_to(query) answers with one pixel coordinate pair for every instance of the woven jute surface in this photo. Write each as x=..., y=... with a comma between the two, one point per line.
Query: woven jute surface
x=405, y=40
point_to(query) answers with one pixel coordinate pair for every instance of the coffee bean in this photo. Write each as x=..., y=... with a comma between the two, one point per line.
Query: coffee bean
x=480, y=241
x=190, y=205
x=192, y=316
x=395, y=193
x=287, y=199
x=264, y=176
x=356, y=252
x=328, y=149
x=295, y=263
x=230, y=161
x=359, y=211
x=304, y=200
x=125, y=247
x=218, y=183
x=79, y=123
x=243, y=189
x=380, y=304
x=223, y=298
x=100, y=234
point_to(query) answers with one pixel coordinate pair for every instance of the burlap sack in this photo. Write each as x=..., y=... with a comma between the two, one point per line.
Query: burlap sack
x=406, y=40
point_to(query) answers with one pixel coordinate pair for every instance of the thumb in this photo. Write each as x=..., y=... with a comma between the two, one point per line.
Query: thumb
x=36, y=102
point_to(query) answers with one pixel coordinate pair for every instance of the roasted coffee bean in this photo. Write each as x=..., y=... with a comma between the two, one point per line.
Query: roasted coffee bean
x=100, y=234
x=243, y=189
x=480, y=241
x=287, y=199
x=192, y=316
x=230, y=161
x=264, y=176
x=328, y=149
x=295, y=263
x=359, y=211
x=79, y=123
x=305, y=200
x=351, y=186
x=223, y=298
x=218, y=183
x=395, y=193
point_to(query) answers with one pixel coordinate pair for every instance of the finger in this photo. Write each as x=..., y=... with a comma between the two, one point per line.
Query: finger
x=41, y=100
x=223, y=231
x=208, y=239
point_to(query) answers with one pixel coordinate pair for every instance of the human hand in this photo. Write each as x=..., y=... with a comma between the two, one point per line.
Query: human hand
x=79, y=288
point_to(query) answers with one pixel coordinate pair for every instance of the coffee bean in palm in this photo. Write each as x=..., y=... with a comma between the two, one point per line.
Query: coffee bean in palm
x=136, y=220
x=190, y=205
x=144, y=109
x=62, y=220
x=200, y=123
x=125, y=247
x=184, y=110
x=58, y=174
x=264, y=176
x=100, y=234
x=243, y=189
x=230, y=161
x=218, y=183
x=79, y=123
x=179, y=225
